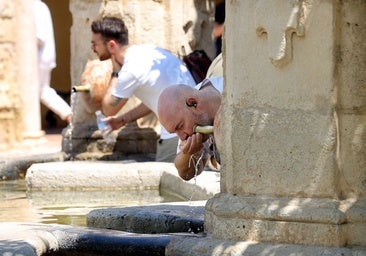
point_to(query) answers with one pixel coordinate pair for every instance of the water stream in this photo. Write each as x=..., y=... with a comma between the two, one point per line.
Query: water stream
x=67, y=207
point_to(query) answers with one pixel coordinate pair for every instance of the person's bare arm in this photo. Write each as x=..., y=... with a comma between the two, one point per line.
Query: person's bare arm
x=117, y=121
x=187, y=164
x=191, y=160
x=140, y=111
x=112, y=104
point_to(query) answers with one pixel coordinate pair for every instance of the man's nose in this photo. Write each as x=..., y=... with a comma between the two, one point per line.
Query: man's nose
x=182, y=135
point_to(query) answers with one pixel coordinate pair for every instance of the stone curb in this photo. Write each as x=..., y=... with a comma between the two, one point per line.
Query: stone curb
x=95, y=175
x=152, y=219
x=120, y=175
x=16, y=167
x=39, y=239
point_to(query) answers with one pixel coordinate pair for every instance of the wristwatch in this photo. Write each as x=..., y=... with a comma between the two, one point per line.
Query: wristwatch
x=114, y=74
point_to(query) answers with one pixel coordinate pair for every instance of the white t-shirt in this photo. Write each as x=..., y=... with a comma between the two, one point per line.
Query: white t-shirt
x=217, y=82
x=147, y=70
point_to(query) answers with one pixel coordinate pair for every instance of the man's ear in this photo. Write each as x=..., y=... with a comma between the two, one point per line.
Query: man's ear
x=191, y=102
x=111, y=45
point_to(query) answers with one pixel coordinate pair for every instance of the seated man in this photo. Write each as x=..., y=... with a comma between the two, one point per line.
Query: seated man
x=180, y=109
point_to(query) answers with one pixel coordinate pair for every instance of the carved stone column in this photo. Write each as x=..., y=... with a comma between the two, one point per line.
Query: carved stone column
x=8, y=91
x=19, y=100
x=27, y=72
x=293, y=124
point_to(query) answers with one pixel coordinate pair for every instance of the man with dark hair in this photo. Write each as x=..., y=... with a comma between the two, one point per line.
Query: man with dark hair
x=111, y=29
x=141, y=70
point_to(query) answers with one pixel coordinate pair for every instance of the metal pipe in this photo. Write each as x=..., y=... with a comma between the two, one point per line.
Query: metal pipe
x=208, y=129
x=81, y=88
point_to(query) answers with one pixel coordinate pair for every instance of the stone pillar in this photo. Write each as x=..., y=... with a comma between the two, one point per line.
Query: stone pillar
x=9, y=94
x=27, y=71
x=19, y=100
x=292, y=130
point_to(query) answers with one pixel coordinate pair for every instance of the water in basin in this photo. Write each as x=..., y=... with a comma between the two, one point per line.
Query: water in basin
x=67, y=207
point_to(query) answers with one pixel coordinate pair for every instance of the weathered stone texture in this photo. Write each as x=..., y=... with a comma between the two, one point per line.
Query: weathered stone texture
x=9, y=98
x=296, y=133
x=298, y=145
x=350, y=78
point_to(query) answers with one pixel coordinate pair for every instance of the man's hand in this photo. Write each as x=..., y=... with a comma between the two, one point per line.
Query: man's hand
x=191, y=147
x=192, y=144
x=115, y=122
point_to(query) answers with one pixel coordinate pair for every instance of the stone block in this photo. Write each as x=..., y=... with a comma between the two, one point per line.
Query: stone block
x=154, y=219
x=280, y=220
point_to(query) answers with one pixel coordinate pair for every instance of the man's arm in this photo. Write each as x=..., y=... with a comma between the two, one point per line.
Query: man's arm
x=112, y=104
x=191, y=159
x=118, y=121
x=187, y=164
x=136, y=113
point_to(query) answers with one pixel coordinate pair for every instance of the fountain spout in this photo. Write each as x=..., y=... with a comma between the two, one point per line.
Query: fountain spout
x=81, y=88
x=93, y=84
x=208, y=129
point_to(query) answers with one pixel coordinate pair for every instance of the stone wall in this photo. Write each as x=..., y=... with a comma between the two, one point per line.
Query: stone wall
x=293, y=138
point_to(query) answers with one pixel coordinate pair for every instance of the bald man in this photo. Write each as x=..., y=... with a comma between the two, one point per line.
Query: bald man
x=180, y=109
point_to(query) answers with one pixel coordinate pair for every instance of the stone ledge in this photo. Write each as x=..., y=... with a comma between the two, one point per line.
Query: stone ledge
x=210, y=246
x=89, y=175
x=120, y=175
x=153, y=219
x=39, y=239
x=203, y=187
x=15, y=167
x=312, y=210
x=313, y=221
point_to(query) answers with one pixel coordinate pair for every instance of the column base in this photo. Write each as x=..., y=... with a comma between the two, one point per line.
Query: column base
x=207, y=246
x=309, y=221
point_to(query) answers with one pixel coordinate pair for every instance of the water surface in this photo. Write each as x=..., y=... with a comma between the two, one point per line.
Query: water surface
x=67, y=207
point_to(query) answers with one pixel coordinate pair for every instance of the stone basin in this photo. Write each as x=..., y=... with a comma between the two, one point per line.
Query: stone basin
x=107, y=233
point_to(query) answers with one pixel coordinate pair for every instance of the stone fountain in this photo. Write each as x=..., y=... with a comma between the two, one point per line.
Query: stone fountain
x=291, y=138
x=83, y=140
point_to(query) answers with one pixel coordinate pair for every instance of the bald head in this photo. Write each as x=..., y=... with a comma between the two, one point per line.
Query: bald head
x=172, y=105
x=172, y=94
